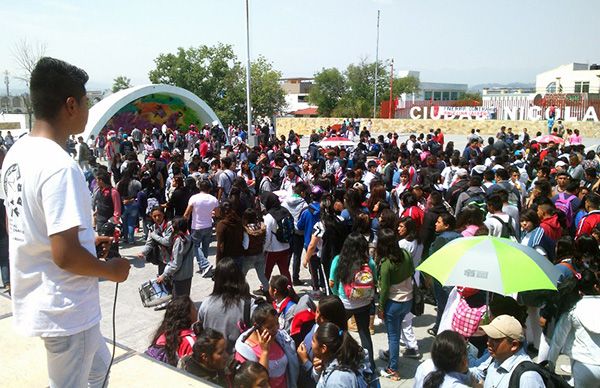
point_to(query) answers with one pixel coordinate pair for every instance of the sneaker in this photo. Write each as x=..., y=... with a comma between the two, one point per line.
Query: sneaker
x=298, y=282
x=384, y=355
x=412, y=353
x=207, y=272
x=259, y=292
x=316, y=294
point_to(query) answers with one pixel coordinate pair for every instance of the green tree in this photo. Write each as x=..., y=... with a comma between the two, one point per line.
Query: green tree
x=327, y=90
x=215, y=75
x=470, y=96
x=358, y=97
x=120, y=83
x=405, y=85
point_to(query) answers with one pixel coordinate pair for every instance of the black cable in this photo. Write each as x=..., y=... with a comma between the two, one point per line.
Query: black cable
x=114, y=336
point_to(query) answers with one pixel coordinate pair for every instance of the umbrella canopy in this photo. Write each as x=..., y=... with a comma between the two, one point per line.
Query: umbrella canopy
x=545, y=139
x=336, y=141
x=493, y=264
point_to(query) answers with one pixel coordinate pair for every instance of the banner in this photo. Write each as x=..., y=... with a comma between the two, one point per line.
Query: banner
x=452, y=112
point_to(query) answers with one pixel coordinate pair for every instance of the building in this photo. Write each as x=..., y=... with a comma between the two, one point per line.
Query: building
x=432, y=91
x=570, y=78
x=573, y=88
x=296, y=93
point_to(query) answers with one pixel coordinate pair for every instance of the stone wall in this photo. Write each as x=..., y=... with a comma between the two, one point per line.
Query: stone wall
x=460, y=127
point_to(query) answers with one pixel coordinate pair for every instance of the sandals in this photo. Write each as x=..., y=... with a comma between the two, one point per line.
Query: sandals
x=391, y=374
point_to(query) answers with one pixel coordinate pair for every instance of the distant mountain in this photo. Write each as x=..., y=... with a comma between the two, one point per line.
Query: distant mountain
x=512, y=85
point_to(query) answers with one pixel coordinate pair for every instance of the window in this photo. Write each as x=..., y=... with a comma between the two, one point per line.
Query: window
x=437, y=96
x=582, y=87
x=551, y=88
x=302, y=98
x=445, y=96
x=454, y=96
x=427, y=95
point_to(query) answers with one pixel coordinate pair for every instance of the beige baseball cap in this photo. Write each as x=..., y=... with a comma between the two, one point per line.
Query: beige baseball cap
x=504, y=326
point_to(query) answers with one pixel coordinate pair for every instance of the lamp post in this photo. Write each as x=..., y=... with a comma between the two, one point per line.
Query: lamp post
x=376, y=68
x=391, y=89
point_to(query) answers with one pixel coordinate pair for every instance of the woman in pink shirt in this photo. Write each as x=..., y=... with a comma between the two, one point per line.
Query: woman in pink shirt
x=575, y=138
x=470, y=222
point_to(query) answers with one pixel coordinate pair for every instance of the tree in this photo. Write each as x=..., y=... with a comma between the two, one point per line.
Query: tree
x=120, y=83
x=327, y=90
x=470, y=96
x=360, y=80
x=216, y=75
x=27, y=56
x=406, y=85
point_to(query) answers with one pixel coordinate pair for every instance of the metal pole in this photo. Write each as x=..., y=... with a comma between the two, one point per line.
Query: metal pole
x=391, y=89
x=376, y=67
x=248, y=103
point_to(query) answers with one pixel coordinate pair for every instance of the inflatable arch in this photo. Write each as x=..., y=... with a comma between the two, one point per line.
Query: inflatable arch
x=108, y=107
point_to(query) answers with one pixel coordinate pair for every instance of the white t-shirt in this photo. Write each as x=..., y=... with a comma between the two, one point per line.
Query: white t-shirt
x=44, y=197
x=203, y=205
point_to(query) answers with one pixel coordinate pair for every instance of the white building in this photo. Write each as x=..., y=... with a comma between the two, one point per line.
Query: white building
x=570, y=78
x=296, y=93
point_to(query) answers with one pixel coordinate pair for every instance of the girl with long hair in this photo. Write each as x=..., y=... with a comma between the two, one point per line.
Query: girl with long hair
x=284, y=299
x=174, y=337
x=470, y=222
x=449, y=363
x=180, y=268
x=354, y=258
x=343, y=360
x=230, y=233
x=209, y=357
x=224, y=308
x=272, y=347
x=249, y=374
x=395, y=292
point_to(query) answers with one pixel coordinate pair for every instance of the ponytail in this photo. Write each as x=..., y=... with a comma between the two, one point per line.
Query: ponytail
x=434, y=379
x=340, y=344
x=283, y=287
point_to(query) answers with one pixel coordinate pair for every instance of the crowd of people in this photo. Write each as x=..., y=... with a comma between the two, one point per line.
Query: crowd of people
x=361, y=219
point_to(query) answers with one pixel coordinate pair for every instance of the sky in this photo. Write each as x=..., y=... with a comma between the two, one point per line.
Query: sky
x=459, y=41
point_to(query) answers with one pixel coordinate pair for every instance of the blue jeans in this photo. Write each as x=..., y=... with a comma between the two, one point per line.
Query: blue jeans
x=441, y=294
x=78, y=360
x=394, y=315
x=201, y=239
x=258, y=262
x=130, y=220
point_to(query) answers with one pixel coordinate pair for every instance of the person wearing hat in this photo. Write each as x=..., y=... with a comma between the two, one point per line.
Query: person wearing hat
x=506, y=346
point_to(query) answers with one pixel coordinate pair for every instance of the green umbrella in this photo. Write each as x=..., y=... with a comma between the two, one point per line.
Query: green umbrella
x=493, y=264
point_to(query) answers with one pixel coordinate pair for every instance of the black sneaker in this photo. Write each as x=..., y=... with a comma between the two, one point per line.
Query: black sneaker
x=259, y=292
x=412, y=353
x=298, y=282
x=207, y=272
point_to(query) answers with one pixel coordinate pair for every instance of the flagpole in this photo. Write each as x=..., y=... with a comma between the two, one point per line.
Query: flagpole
x=248, y=103
x=376, y=68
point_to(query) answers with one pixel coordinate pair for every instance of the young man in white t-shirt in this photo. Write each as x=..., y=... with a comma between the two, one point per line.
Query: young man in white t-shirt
x=53, y=263
x=201, y=207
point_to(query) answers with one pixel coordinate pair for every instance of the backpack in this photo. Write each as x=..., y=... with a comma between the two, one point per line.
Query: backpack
x=152, y=202
x=333, y=238
x=285, y=227
x=550, y=378
x=477, y=200
x=564, y=205
x=507, y=229
x=362, y=285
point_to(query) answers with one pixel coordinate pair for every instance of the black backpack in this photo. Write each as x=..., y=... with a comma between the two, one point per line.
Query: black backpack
x=550, y=378
x=285, y=225
x=507, y=229
x=478, y=200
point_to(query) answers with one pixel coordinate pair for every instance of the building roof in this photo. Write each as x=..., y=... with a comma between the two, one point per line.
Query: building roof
x=305, y=112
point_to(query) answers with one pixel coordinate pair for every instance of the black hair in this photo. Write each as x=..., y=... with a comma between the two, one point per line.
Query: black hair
x=180, y=225
x=449, y=220
x=531, y=216
x=204, y=186
x=354, y=253
x=506, y=305
x=206, y=342
x=448, y=353
x=388, y=218
x=494, y=202
x=261, y=313
x=104, y=177
x=564, y=248
x=588, y=282
x=411, y=229
x=52, y=82
x=245, y=374
x=435, y=198
x=229, y=283
x=340, y=345
x=470, y=215
x=594, y=200
x=331, y=308
x=283, y=286
x=177, y=317
x=388, y=248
